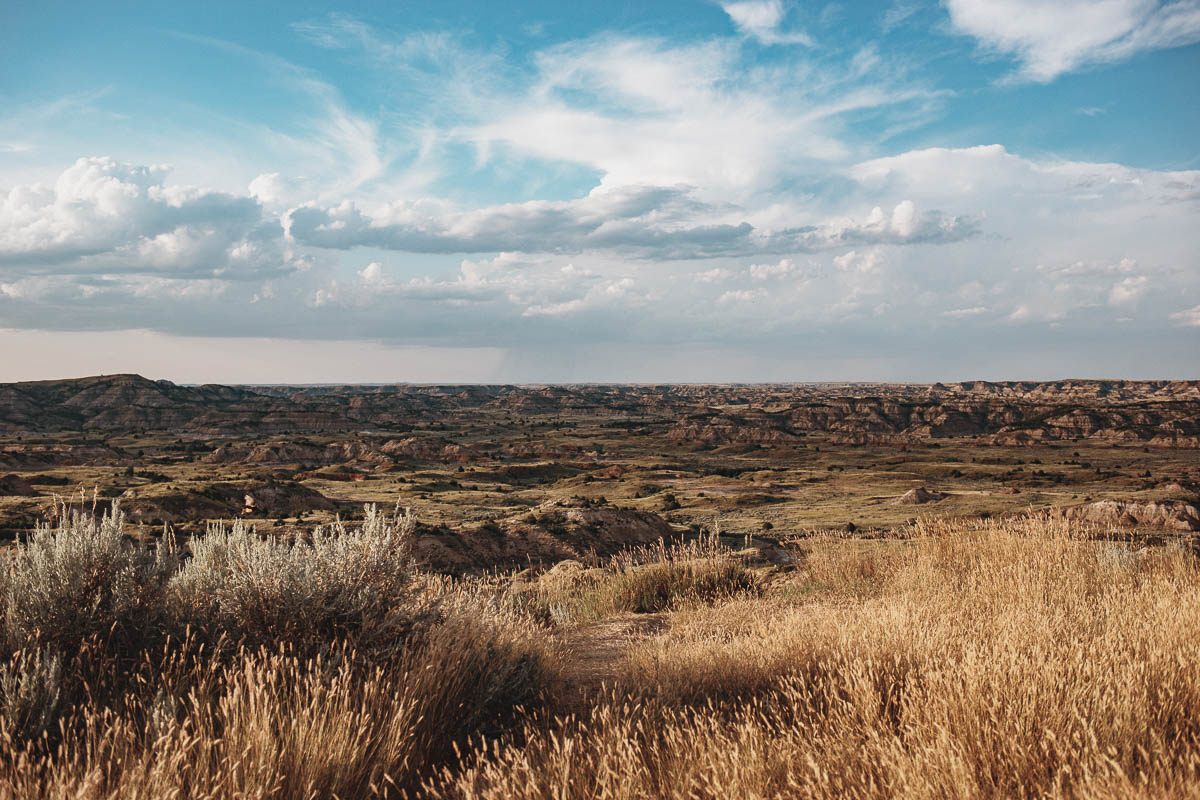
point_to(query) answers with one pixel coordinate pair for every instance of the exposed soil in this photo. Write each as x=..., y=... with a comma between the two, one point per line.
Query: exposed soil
x=595, y=652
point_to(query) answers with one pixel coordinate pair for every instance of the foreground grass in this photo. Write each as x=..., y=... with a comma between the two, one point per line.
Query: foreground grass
x=1016, y=659
x=253, y=669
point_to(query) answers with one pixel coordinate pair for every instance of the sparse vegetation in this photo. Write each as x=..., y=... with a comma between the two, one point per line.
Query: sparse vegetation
x=1017, y=660
x=253, y=668
x=970, y=659
x=641, y=580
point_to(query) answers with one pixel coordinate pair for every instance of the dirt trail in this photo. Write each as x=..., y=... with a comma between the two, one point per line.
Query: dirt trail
x=595, y=651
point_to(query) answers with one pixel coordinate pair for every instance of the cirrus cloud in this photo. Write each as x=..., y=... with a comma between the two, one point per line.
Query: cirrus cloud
x=1052, y=38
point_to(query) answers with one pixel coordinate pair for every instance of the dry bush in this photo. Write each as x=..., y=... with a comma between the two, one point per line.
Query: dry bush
x=343, y=581
x=256, y=669
x=643, y=580
x=999, y=661
x=84, y=579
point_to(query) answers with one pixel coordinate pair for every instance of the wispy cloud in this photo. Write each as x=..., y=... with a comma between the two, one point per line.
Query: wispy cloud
x=1049, y=39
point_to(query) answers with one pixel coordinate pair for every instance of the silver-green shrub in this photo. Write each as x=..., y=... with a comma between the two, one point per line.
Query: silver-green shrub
x=84, y=578
x=258, y=590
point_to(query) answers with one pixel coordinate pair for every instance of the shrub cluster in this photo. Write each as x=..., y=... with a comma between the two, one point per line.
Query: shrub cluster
x=245, y=666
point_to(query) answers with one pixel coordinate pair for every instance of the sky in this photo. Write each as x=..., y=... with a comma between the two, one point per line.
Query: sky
x=700, y=191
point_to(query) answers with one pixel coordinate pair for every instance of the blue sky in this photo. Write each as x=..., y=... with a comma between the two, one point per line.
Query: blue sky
x=699, y=191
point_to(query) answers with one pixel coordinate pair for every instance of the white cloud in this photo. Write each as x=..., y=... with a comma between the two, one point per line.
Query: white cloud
x=280, y=192
x=643, y=111
x=762, y=272
x=897, y=15
x=1189, y=317
x=743, y=296
x=1034, y=312
x=597, y=297
x=959, y=313
x=647, y=221
x=1051, y=38
x=662, y=221
x=101, y=215
x=1037, y=240
x=854, y=261
x=1128, y=291
x=761, y=19
x=1125, y=266
x=714, y=275
x=372, y=274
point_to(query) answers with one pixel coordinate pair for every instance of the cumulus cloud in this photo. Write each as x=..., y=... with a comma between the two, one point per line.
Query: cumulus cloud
x=855, y=261
x=658, y=220
x=1050, y=39
x=1125, y=266
x=762, y=19
x=764, y=272
x=105, y=215
x=904, y=225
x=1038, y=312
x=1128, y=290
x=598, y=296
x=714, y=275
x=743, y=296
x=372, y=274
x=275, y=191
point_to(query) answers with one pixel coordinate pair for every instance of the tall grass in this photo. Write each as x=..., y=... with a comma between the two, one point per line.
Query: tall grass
x=276, y=725
x=1021, y=659
x=642, y=580
x=253, y=668
x=1000, y=661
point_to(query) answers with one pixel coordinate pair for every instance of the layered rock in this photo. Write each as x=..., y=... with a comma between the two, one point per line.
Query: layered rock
x=1169, y=515
x=1154, y=413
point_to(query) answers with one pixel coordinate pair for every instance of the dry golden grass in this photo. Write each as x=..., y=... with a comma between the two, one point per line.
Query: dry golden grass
x=1021, y=659
x=255, y=669
x=274, y=725
x=1015, y=660
x=642, y=580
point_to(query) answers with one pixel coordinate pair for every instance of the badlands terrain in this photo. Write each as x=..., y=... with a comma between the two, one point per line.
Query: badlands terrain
x=504, y=476
x=981, y=590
